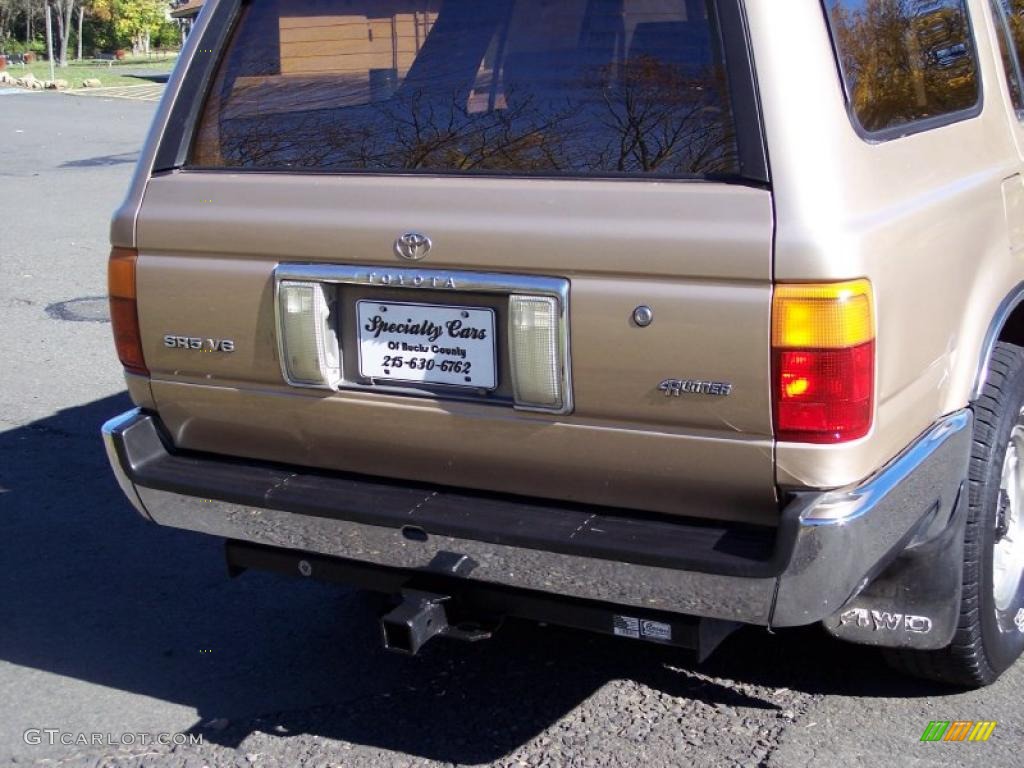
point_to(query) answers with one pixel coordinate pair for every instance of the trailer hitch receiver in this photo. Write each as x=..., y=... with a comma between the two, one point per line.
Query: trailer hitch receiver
x=421, y=616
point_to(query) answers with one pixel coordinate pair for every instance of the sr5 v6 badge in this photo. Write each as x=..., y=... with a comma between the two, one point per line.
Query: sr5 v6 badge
x=198, y=344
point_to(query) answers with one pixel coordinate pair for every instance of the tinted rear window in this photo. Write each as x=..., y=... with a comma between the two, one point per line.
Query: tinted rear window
x=904, y=61
x=546, y=87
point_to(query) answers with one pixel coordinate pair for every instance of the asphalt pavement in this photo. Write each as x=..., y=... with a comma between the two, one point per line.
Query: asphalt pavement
x=115, y=627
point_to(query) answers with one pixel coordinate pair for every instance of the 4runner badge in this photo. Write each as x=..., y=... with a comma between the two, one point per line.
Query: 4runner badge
x=680, y=387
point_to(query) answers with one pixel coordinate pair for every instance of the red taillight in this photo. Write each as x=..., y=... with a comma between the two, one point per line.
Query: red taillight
x=124, y=316
x=824, y=395
x=823, y=361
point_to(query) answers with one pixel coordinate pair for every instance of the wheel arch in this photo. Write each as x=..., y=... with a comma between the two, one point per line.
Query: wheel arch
x=1007, y=325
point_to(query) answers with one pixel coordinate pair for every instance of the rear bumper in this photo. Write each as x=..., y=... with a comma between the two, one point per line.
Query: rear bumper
x=827, y=547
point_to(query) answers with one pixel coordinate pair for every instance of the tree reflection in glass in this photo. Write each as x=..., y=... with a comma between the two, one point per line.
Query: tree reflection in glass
x=596, y=89
x=904, y=60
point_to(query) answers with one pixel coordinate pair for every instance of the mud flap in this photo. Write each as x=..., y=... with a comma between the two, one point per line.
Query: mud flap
x=915, y=601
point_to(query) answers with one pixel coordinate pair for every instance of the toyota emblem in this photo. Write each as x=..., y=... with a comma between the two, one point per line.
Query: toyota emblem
x=412, y=246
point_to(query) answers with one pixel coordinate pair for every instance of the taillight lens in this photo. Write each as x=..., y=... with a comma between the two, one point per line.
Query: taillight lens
x=823, y=340
x=124, y=316
x=534, y=335
x=308, y=343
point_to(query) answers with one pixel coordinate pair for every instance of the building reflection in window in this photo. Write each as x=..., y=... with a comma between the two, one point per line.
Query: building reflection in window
x=577, y=87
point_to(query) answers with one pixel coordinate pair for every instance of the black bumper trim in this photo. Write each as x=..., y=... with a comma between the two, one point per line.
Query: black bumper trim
x=417, y=509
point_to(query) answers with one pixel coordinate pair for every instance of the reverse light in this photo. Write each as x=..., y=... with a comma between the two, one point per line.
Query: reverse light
x=124, y=314
x=823, y=344
x=534, y=342
x=308, y=344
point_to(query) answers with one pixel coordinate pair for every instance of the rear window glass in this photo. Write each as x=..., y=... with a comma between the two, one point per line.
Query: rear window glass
x=546, y=87
x=904, y=61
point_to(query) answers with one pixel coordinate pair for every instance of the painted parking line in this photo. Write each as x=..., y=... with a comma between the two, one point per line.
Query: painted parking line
x=147, y=92
x=15, y=91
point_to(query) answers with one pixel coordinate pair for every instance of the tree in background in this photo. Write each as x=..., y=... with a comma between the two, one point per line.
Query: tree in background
x=64, y=12
x=84, y=26
x=35, y=12
x=7, y=11
x=18, y=17
x=134, y=20
x=23, y=22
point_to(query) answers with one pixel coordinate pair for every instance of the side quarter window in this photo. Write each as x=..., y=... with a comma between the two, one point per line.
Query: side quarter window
x=905, y=62
x=1009, y=20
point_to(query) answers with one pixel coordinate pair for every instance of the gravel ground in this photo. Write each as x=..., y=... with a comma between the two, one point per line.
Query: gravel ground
x=109, y=625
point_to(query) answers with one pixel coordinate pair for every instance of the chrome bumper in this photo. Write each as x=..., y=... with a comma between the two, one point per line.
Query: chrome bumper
x=827, y=547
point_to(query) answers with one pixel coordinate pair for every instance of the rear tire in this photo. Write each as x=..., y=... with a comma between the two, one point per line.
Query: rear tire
x=990, y=631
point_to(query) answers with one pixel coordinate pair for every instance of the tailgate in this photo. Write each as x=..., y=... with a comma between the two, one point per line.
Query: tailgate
x=697, y=254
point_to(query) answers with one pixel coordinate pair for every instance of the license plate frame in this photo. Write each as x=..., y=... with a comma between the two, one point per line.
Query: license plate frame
x=446, y=361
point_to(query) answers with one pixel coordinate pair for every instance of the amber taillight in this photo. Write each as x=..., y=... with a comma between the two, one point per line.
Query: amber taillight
x=124, y=315
x=823, y=347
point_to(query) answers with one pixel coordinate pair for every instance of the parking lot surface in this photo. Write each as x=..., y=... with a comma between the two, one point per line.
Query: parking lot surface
x=148, y=92
x=112, y=626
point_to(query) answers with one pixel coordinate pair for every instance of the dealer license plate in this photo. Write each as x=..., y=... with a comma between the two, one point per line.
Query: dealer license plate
x=427, y=343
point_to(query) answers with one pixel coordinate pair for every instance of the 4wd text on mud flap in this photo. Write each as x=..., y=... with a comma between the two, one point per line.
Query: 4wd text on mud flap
x=884, y=621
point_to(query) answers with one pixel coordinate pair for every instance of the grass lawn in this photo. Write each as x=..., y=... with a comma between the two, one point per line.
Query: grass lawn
x=108, y=73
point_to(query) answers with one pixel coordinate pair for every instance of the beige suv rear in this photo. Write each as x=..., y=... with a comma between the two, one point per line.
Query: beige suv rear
x=650, y=317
